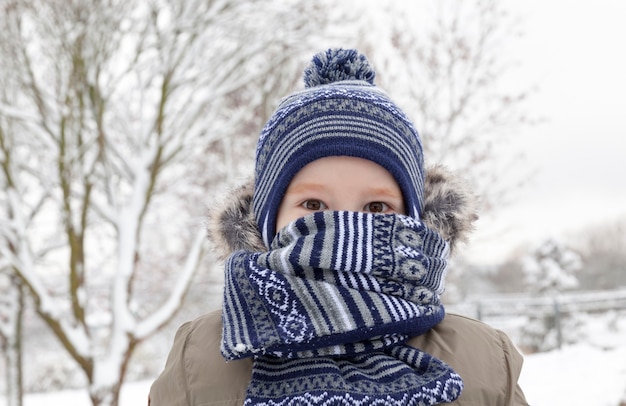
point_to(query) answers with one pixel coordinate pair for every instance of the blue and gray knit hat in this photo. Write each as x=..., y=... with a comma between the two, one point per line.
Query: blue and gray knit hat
x=339, y=113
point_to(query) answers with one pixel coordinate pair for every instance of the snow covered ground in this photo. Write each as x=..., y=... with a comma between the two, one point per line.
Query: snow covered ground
x=582, y=374
x=576, y=375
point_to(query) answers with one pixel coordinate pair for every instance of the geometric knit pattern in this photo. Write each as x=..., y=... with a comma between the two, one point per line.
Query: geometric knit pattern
x=346, y=115
x=326, y=312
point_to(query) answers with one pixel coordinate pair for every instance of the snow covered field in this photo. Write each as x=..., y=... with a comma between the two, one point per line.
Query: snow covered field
x=577, y=375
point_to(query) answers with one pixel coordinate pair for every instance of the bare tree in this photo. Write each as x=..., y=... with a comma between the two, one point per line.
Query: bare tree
x=11, y=311
x=12, y=291
x=446, y=62
x=112, y=103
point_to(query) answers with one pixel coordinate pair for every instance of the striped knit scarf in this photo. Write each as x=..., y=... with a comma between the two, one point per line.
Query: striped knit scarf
x=326, y=311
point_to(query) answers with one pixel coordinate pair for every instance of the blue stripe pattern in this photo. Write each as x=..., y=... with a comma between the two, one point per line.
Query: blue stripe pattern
x=332, y=303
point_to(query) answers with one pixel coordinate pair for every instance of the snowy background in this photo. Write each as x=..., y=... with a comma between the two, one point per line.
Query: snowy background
x=570, y=50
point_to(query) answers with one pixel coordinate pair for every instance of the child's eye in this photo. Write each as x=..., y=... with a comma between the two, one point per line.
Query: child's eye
x=314, y=205
x=376, y=207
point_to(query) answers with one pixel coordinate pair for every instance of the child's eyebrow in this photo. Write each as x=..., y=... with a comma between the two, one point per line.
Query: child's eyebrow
x=383, y=191
x=305, y=187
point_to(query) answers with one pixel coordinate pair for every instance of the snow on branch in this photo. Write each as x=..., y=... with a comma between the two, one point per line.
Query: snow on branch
x=161, y=316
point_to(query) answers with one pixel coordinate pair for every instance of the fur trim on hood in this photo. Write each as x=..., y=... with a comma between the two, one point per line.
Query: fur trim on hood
x=449, y=207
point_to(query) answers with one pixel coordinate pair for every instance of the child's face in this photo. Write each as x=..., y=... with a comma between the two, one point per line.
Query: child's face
x=340, y=183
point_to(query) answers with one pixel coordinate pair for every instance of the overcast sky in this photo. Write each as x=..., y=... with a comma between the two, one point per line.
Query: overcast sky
x=574, y=52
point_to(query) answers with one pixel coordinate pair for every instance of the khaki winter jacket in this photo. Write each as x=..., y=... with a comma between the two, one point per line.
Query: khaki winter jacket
x=197, y=375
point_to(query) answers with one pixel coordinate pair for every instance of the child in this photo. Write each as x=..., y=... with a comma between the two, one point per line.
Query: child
x=336, y=262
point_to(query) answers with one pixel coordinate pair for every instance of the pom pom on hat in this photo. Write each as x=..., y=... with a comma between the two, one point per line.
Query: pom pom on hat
x=339, y=113
x=336, y=65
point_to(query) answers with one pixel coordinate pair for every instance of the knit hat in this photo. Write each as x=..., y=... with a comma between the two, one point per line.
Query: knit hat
x=339, y=113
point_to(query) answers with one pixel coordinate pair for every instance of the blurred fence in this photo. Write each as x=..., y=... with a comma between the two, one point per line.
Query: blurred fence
x=514, y=305
x=497, y=309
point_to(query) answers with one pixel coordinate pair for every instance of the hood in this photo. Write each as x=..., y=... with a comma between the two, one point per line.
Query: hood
x=449, y=208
